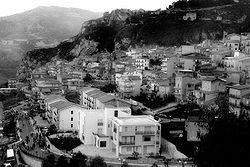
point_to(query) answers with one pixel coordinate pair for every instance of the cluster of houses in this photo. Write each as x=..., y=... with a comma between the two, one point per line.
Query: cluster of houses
x=216, y=68
x=192, y=73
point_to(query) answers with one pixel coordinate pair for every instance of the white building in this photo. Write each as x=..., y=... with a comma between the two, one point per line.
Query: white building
x=142, y=63
x=65, y=115
x=120, y=132
x=169, y=65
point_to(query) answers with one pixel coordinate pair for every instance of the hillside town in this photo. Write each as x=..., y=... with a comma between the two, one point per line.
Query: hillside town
x=129, y=104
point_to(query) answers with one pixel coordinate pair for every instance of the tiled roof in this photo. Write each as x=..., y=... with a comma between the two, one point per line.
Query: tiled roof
x=84, y=89
x=61, y=105
x=51, y=98
x=240, y=87
x=195, y=56
x=106, y=98
x=93, y=92
x=213, y=79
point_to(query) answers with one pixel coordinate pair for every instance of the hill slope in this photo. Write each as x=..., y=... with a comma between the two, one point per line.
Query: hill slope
x=123, y=28
x=40, y=27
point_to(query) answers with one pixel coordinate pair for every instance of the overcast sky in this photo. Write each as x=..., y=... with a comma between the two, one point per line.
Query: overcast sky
x=9, y=7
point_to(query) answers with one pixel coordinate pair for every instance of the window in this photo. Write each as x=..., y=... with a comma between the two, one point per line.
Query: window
x=146, y=138
x=103, y=143
x=99, y=122
x=71, y=118
x=116, y=113
x=147, y=128
x=71, y=112
x=72, y=125
x=129, y=149
x=99, y=130
x=125, y=128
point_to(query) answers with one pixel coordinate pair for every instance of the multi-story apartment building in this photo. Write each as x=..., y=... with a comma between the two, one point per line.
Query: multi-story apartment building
x=236, y=94
x=93, y=98
x=95, y=125
x=232, y=41
x=48, y=86
x=192, y=61
x=1, y=119
x=12, y=83
x=245, y=105
x=120, y=132
x=7, y=90
x=245, y=45
x=210, y=88
x=240, y=61
x=169, y=65
x=73, y=84
x=142, y=63
x=181, y=81
x=129, y=86
x=65, y=115
x=138, y=133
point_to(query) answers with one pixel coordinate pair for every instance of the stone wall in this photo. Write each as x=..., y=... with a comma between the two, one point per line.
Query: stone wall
x=31, y=161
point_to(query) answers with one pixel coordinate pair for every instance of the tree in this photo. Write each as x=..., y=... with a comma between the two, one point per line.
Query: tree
x=124, y=164
x=49, y=161
x=62, y=162
x=79, y=160
x=110, y=88
x=154, y=165
x=227, y=143
x=155, y=62
x=52, y=129
x=88, y=78
x=135, y=155
x=2, y=97
x=73, y=96
x=97, y=162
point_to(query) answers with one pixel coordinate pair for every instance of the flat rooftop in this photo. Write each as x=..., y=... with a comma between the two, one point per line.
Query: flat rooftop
x=137, y=120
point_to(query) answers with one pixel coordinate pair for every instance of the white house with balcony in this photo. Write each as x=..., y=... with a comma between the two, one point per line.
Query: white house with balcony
x=141, y=134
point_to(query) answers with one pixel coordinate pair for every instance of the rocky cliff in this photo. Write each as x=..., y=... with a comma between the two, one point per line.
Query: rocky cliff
x=122, y=28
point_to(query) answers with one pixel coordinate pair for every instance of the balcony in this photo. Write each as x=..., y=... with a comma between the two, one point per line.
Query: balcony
x=234, y=96
x=127, y=143
x=144, y=132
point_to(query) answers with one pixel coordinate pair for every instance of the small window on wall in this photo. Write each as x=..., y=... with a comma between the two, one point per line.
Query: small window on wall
x=72, y=125
x=116, y=113
x=71, y=118
x=103, y=144
x=99, y=122
x=71, y=112
x=146, y=138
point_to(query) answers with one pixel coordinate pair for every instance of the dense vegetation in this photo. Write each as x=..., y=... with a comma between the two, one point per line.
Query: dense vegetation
x=65, y=143
x=201, y=3
x=72, y=96
x=77, y=160
x=152, y=100
x=12, y=99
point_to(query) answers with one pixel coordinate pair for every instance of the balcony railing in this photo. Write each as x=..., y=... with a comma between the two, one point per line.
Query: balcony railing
x=144, y=132
x=127, y=143
x=234, y=96
x=235, y=105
